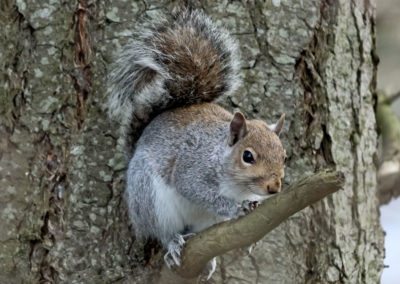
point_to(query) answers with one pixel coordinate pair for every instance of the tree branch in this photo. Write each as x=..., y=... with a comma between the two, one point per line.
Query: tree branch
x=391, y=99
x=249, y=229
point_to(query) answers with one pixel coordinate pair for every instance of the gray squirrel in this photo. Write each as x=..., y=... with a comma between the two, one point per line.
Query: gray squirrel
x=194, y=163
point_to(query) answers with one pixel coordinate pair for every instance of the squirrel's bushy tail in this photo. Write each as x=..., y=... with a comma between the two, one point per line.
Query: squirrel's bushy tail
x=179, y=61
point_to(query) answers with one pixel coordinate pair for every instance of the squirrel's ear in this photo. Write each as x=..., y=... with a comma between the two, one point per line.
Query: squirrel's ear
x=277, y=127
x=238, y=128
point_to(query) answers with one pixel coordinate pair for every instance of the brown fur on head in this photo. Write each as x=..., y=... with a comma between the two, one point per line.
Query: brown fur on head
x=257, y=159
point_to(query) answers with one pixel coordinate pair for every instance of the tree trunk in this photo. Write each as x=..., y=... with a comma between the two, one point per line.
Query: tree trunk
x=62, y=164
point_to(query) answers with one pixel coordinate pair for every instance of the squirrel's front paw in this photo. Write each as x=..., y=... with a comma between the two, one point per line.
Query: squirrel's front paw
x=248, y=206
x=175, y=246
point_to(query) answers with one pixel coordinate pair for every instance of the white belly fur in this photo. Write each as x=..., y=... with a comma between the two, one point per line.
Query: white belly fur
x=174, y=212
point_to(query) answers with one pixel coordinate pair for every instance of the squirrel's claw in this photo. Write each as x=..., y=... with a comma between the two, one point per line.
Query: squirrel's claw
x=253, y=205
x=173, y=255
x=175, y=246
x=248, y=206
x=251, y=248
x=187, y=236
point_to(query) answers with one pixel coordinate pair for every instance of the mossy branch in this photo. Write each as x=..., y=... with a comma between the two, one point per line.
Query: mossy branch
x=249, y=229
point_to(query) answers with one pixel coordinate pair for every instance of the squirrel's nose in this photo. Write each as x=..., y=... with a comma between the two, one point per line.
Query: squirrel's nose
x=274, y=187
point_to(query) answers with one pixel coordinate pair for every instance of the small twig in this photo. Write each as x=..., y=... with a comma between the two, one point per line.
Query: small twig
x=249, y=229
x=392, y=98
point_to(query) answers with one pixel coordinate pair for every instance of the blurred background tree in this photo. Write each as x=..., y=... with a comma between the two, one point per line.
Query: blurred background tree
x=388, y=45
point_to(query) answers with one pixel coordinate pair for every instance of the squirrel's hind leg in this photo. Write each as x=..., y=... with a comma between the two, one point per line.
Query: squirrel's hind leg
x=173, y=255
x=211, y=266
x=174, y=249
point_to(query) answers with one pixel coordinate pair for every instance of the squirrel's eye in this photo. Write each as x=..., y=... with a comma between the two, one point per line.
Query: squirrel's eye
x=248, y=157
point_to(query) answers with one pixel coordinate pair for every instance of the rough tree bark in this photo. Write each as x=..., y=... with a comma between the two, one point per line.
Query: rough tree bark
x=61, y=163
